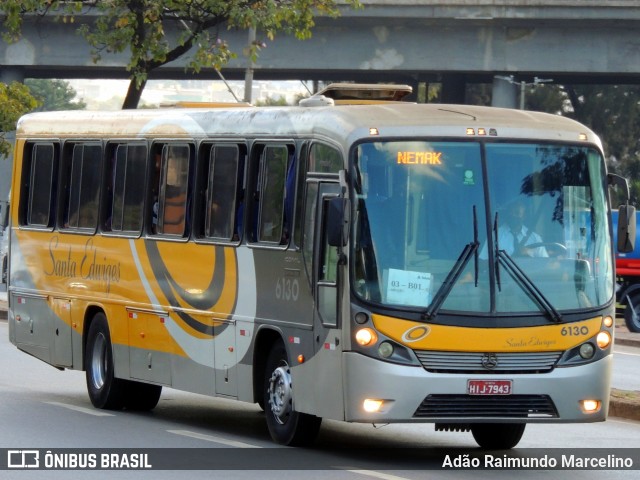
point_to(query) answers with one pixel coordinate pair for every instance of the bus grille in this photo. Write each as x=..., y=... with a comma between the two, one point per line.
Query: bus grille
x=472, y=362
x=490, y=406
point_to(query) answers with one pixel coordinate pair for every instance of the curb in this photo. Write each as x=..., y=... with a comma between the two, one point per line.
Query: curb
x=622, y=406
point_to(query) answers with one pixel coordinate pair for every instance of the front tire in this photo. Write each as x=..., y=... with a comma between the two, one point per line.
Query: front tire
x=105, y=390
x=497, y=436
x=286, y=425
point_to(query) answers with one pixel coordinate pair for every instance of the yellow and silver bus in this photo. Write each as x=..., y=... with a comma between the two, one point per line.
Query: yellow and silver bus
x=364, y=261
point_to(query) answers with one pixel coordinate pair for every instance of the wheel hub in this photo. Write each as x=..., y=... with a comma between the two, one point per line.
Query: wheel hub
x=98, y=362
x=280, y=394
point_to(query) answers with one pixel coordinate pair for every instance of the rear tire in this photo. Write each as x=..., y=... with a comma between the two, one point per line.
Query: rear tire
x=497, y=436
x=286, y=425
x=105, y=390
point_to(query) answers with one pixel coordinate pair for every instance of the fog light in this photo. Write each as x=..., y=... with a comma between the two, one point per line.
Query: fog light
x=385, y=350
x=371, y=405
x=603, y=340
x=366, y=336
x=590, y=406
x=587, y=350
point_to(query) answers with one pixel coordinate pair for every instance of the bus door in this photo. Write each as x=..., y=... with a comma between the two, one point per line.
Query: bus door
x=327, y=322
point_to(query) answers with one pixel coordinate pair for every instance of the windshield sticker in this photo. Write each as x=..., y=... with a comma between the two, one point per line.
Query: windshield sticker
x=408, y=288
x=468, y=178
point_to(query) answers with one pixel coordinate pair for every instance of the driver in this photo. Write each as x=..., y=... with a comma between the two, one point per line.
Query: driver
x=515, y=238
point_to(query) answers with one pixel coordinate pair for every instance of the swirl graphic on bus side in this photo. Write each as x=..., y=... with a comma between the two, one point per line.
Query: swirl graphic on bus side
x=205, y=300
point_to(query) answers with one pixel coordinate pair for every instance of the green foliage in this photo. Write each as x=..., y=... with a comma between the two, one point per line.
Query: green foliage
x=15, y=101
x=53, y=95
x=272, y=102
x=140, y=27
x=613, y=112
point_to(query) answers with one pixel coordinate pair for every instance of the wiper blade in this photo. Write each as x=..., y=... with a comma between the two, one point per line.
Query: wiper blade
x=527, y=284
x=449, y=282
x=455, y=272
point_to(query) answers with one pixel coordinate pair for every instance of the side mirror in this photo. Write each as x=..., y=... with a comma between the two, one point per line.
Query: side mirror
x=626, y=228
x=337, y=218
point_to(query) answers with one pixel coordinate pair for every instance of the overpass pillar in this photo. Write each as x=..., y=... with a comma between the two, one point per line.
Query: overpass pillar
x=454, y=89
x=11, y=74
x=505, y=93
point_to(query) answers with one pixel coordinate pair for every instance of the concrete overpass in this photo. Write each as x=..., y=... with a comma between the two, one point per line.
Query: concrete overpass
x=410, y=41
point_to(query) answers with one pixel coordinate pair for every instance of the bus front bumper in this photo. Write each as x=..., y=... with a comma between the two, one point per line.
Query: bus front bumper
x=397, y=393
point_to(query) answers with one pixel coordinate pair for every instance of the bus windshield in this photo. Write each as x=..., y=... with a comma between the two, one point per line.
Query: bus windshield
x=475, y=227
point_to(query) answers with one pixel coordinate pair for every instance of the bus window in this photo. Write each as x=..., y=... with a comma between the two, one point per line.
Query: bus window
x=128, y=180
x=40, y=184
x=81, y=181
x=172, y=205
x=300, y=182
x=224, y=190
x=269, y=196
x=325, y=159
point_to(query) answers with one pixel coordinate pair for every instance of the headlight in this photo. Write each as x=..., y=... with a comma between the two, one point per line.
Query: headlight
x=366, y=337
x=385, y=349
x=603, y=340
x=587, y=350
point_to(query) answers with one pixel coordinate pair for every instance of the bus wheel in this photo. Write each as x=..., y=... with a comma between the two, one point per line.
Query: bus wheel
x=497, y=436
x=141, y=396
x=286, y=426
x=105, y=390
x=632, y=313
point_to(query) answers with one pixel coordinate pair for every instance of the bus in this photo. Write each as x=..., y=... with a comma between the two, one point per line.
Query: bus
x=341, y=259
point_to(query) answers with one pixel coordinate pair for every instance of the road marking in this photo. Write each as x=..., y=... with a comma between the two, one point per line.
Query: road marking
x=373, y=473
x=213, y=438
x=617, y=352
x=88, y=411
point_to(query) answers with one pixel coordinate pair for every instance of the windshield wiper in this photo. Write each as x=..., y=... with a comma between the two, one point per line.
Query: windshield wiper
x=455, y=272
x=504, y=259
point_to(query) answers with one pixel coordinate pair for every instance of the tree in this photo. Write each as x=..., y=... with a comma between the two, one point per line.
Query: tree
x=15, y=101
x=139, y=26
x=53, y=95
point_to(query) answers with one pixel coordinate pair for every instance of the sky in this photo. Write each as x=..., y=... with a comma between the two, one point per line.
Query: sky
x=108, y=94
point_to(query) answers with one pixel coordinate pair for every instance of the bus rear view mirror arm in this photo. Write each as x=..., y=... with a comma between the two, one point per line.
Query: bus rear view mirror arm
x=617, y=181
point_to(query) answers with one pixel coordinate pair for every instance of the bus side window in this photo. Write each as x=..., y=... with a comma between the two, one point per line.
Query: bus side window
x=303, y=161
x=126, y=179
x=223, y=206
x=39, y=184
x=173, y=191
x=269, y=222
x=81, y=186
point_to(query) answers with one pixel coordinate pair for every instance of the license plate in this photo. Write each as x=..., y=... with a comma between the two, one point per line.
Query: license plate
x=489, y=387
